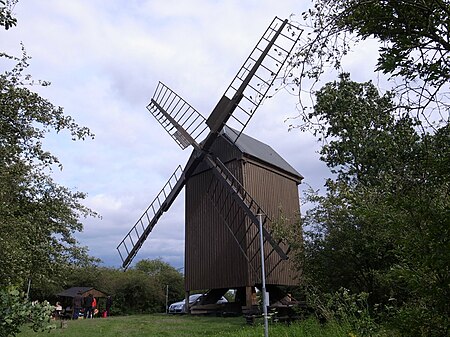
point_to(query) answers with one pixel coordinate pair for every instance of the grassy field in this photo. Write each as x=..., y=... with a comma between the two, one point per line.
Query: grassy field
x=166, y=325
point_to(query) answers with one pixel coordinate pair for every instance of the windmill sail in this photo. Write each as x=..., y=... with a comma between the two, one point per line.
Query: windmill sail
x=183, y=123
x=132, y=242
x=253, y=81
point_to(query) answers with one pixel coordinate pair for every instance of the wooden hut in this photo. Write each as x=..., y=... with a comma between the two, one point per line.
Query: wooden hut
x=67, y=297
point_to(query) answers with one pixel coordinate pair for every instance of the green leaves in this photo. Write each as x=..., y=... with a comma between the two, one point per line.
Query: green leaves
x=39, y=217
x=415, y=32
x=364, y=137
x=414, y=49
x=164, y=274
x=16, y=310
x=382, y=227
x=26, y=117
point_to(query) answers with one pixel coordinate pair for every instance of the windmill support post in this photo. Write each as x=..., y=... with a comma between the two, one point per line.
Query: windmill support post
x=186, y=301
x=263, y=277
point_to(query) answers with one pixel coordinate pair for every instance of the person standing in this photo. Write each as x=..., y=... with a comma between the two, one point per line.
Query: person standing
x=94, y=307
x=77, y=304
x=108, y=305
x=88, y=306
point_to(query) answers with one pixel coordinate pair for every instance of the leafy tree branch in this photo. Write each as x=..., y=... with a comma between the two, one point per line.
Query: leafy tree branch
x=414, y=50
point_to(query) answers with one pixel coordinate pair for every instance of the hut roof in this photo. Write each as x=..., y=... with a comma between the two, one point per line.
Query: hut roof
x=257, y=149
x=83, y=291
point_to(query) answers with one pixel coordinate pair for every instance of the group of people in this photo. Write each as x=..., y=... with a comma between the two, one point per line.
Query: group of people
x=89, y=304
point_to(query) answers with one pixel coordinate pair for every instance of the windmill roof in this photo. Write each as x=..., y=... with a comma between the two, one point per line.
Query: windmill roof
x=255, y=148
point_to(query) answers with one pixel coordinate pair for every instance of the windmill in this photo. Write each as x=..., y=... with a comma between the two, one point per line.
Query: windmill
x=222, y=218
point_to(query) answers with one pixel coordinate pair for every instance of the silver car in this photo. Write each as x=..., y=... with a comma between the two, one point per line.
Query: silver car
x=180, y=307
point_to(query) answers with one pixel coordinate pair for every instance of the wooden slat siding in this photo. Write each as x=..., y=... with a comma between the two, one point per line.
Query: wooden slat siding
x=282, y=194
x=212, y=257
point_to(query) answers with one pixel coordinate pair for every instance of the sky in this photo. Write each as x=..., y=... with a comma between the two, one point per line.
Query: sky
x=105, y=59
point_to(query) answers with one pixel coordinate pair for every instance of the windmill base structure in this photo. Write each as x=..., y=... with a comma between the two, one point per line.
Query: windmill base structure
x=238, y=190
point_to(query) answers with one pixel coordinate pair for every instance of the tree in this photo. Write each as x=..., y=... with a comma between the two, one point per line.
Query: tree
x=382, y=226
x=165, y=275
x=414, y=48
x=39, y=217
x=44, y=214
x=365, y=143
x=137, y=293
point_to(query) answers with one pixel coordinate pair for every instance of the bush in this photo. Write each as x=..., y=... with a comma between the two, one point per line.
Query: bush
x=346, y=309
x=16, y=311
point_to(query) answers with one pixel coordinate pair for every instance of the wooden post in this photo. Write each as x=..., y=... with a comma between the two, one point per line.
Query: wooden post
x=186, y=301
x=250, y=297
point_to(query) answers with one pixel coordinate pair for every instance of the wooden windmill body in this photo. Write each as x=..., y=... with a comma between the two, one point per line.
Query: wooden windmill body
x=234, y=183
x=213, y=258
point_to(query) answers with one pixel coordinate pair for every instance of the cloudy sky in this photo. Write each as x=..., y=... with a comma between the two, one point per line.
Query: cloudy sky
x=104, y=60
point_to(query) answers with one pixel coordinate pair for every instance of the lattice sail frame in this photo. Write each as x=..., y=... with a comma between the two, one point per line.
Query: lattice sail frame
x=132, y=242
x=181, y=121
x=267, y=73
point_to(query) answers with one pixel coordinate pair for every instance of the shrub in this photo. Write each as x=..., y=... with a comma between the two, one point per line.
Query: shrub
x=16, y=311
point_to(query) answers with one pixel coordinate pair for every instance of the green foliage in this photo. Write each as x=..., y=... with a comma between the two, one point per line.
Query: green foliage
x=39, y=217
x=382, y=227
x=138, y=290
x=414, y=48
x=138, y=293
x=16, y=311
x=415, y=32
x=349, y=310
x=164, y=275
x=343, y=251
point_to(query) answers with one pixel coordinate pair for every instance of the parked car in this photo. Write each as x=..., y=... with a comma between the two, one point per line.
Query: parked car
x=180, y=307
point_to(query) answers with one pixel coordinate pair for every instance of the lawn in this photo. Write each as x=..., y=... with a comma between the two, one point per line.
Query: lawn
x=167, y=325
